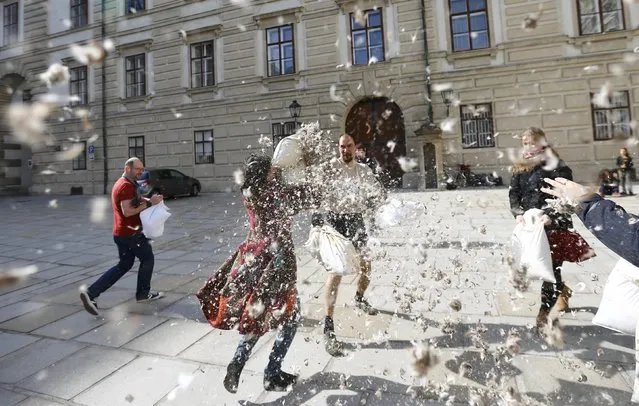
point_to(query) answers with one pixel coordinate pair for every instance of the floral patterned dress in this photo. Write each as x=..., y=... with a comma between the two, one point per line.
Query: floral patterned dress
x=255, y=289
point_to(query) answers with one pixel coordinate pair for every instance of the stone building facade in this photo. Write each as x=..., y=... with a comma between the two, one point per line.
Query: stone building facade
x=198, y=85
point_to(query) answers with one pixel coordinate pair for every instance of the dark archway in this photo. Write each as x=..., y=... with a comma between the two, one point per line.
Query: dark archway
x=430, y=165
x=374, y=122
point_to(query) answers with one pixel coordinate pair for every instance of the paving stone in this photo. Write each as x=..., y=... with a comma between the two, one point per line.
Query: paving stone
x=217, y=347
x=207, y=388
x=77, y=372
x=71, y=326
x=151, y=308
x=58, y=271
x=170, y=338
x=34, y=357
x=38, y=318
x=120, y=331
x=187, y=308
x=133, y=382
x=17, y=309
x=11, y=398
x=12, y=342
x=34, y=401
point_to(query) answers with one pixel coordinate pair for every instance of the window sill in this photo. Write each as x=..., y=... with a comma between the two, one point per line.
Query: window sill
x=281, y=78
x=191, y=91
x=475, y=53
x=599, y=37
x=144, y=98
x=136, y=14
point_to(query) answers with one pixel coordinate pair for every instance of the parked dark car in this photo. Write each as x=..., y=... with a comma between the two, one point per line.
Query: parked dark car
x=168, y=183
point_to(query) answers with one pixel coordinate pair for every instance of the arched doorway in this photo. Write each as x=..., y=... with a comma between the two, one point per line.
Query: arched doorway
x=374, y=122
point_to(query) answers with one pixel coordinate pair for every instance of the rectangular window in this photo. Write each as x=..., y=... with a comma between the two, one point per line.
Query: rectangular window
x=477, y=126
x=133, y=6
x=135, y=75
x=613, y=120
x=78, y=86
x=204, y=147
x=10, y=24
x=80, y=161
x=367, y=39
x=79, y=13
x=202, y=64
x=596, y=16
x=136, y=147
x=281, y=130
x=280, y=50
x=469, y=24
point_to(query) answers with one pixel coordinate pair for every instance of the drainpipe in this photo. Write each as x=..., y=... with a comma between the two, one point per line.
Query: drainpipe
x=104, y=131
x=426, y=66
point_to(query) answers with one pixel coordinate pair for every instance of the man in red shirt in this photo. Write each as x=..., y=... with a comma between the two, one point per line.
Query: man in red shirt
x=127, y=203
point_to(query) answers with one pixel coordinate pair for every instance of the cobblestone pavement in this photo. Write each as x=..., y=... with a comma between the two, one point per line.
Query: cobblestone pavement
x=52, y=352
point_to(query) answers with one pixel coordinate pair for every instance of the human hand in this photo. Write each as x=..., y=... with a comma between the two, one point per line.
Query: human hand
x=567, y=189
x=520, y=219
x=545, y=220
x=155, y=199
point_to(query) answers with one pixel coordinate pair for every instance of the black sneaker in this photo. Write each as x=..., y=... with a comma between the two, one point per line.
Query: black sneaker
x=279, y=382
x=89, y=304
x=333, y=347
x=232, y=378
x=151, y=297
x=366, y=307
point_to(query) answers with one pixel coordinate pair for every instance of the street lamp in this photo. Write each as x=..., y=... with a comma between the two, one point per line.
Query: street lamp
x=295, y=108
x=447, y=98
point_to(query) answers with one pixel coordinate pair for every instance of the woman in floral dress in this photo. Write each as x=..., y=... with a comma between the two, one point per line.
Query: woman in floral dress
x=255, y=289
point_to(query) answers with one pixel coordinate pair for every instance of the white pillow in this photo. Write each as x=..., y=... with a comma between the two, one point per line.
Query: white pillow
x=531, y=247
x=619, y=307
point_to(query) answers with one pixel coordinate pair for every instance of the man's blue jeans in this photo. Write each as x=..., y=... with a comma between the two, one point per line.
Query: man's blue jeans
x=128, y=248
x=283, y=341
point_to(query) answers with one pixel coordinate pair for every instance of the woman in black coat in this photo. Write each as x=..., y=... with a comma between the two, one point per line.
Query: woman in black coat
x=540, y=162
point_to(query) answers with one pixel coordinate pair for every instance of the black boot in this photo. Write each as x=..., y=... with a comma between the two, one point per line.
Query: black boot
x=232, y=378
x=279, y=382
x=332, y=346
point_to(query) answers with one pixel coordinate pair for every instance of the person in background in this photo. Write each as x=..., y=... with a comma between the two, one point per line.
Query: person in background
x=127, y=203
x=625, y=165
x=606, y=220
x=540, y=161
x=608, y=184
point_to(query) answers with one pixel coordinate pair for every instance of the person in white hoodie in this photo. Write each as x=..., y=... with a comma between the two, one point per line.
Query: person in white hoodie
x=354, y=192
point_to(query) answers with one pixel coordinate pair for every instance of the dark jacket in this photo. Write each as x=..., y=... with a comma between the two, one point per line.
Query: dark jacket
x=613, y=226
x=626, y=162
x=525, y=193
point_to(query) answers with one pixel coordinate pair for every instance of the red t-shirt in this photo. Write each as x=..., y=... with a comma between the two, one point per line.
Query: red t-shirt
x=124, y=226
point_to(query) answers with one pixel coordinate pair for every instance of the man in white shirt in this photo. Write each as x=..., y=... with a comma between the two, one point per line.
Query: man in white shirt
x=354, y=191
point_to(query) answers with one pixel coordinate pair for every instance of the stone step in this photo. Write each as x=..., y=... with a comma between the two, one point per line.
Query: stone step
x=11, y=163
x=4, y=182
x=13, y=190
x=10, y=145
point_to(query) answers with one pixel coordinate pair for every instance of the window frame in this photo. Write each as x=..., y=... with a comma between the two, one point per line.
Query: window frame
x=201, y=61
x=610, y=110
x=136, y=147
x=477, y=119
x=83, y=17
x=467, y=13
x=197, y=142
x=366, y=29
x=600, y=14
x=85, y=101
x=80, y=164
x=127, y=9
x=5, y=28
x=126, y=76
x=284, y=125
x=279, y=43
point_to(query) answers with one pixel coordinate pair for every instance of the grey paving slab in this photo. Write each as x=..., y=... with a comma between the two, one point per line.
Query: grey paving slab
x=34, y=357
x=12, y=342
x=187, y=308
x=150, y=308
x=121, y=331
x=18, y=309
x=9, y=398
x=187, y=268
x=58, y=271
x=71, y=326
x=35, y=401
x=206, y=389
x=77, y=372
x=224, y=344
x=38, y=318
x=132, y=382
x=170, y=338
x=171, y=254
